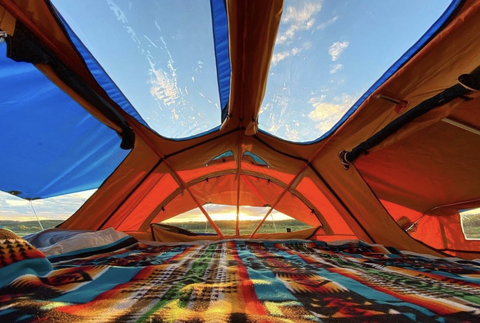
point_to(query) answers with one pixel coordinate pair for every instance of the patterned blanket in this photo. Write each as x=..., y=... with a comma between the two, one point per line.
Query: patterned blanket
x=236, y=281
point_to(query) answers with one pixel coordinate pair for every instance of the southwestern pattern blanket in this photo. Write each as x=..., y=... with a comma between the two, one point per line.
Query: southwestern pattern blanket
x=235, y=281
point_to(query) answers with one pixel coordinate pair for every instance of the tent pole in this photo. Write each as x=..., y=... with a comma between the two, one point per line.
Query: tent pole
x=237, y=228
x=239, y=170
x=185, y=187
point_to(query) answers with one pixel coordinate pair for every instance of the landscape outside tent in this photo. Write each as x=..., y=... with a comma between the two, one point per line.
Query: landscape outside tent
x=470, y=220
x=17, y=215
x=223, y=215
x=298, y=106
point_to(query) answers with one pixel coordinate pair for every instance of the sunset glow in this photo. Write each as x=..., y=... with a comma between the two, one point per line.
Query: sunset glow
x=228, y=213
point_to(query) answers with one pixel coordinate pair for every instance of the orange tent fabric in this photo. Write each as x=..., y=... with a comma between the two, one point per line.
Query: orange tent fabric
x=426, y=164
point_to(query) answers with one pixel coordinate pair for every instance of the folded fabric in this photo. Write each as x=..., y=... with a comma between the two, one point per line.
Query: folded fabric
x=18, y=257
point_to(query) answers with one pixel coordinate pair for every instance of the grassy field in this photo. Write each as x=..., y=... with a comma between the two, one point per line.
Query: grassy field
x=246, y=227
x=23, y=228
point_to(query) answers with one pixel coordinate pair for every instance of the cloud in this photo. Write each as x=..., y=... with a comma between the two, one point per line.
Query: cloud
x=275, y=111
x=278, y=57
x=150, y=41
x=292, y=133
x=122, y=17
x=15, y=202
x=293, y=14
x=298, y=19
x=336, y=68
x=117, y=11
x=327, y=23
x=163, y=86
x=336, y=49
x=327, y=114
x=60, y=207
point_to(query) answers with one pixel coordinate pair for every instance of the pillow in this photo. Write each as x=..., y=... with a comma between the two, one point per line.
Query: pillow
x=82, y=240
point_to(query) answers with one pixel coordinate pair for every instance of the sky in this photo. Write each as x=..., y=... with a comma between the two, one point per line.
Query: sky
x=160, y=54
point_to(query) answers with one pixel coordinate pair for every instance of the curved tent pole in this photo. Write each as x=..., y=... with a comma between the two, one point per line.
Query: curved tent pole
x=185, y=187
x=245, y=178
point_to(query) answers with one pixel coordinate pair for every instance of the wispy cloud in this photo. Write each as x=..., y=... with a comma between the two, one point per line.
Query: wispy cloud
x=327, y=23
x=278, y=57
x=298, y=19
x=150, y=41
x=336, y=49
x=117, y=11
x=163, y=86
x=326, y=114
x=122, y=17
x=275, y=111
x=335, y=68
x=291, y=132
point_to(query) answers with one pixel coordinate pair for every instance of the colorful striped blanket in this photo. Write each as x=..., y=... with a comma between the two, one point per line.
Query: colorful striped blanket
x=235, y=281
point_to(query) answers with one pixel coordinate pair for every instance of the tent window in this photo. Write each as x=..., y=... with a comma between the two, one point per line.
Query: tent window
x=224, y=157
x=254, y=159
x=161, y=56
x=470, y=222
x=225, y=216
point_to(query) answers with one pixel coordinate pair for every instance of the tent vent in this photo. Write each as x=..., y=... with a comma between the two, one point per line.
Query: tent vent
x=254, y=159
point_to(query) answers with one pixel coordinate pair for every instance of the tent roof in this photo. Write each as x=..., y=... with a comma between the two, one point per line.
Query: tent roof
x=163, y=177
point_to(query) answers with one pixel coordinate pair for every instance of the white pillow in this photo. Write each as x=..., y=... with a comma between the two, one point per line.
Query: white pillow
x=84, y=240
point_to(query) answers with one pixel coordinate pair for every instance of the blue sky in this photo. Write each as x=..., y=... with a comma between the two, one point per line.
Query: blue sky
x=160, y=54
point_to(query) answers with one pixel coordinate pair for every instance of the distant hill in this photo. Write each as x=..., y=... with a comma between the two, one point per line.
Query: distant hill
x=23, y=228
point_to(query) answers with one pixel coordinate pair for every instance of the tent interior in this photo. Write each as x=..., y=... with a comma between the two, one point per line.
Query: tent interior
x=397, y=168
